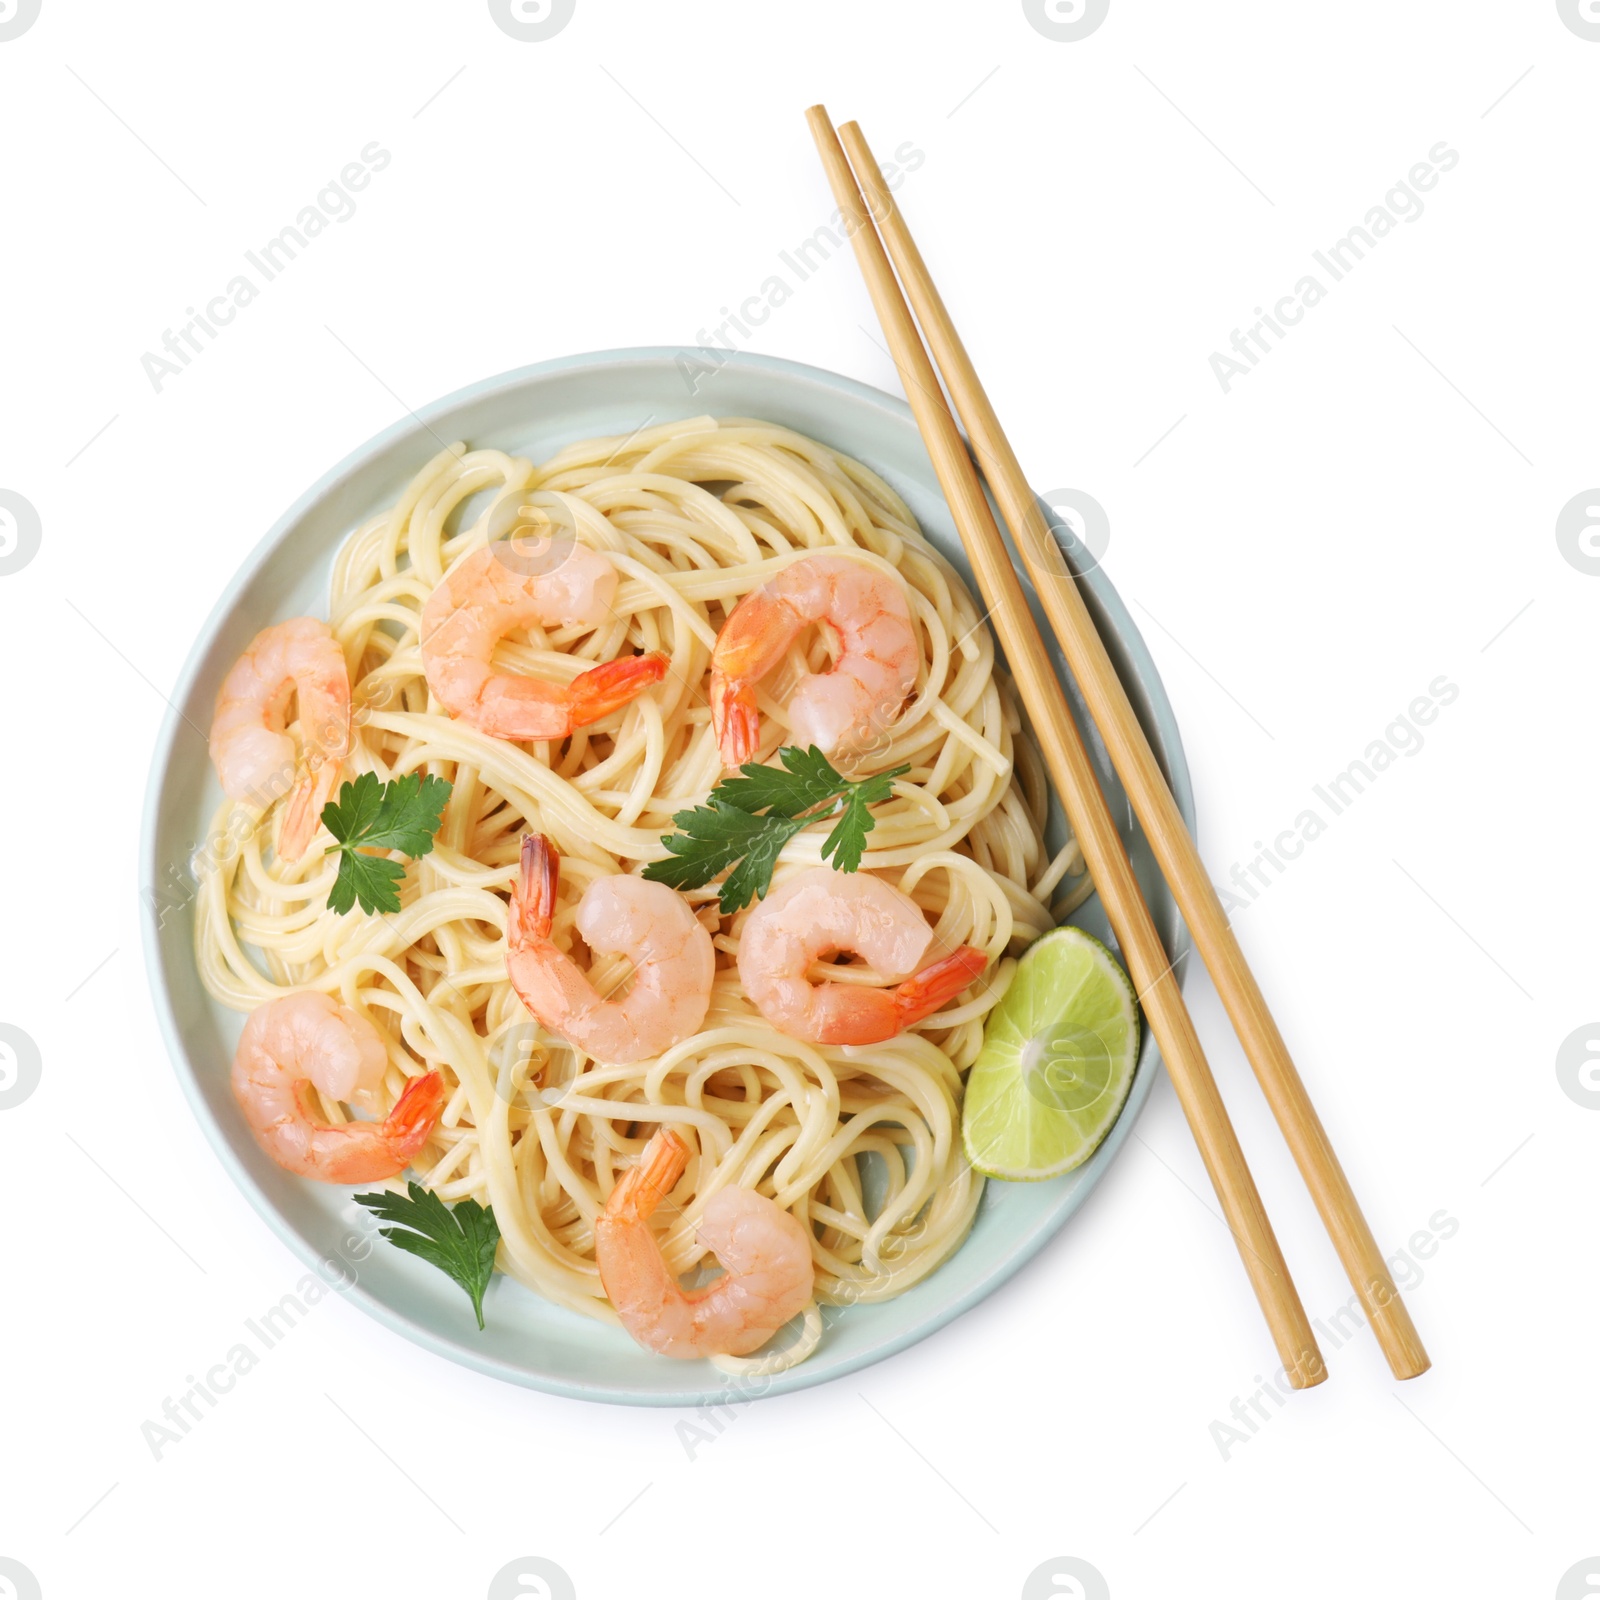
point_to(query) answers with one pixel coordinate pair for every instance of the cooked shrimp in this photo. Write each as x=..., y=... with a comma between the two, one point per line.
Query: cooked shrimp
x=306, y=1039
x=255, y=758
x=764, y=1249
x=673, y=961
x=492, y=591
x=822, y=912
x=876, y=669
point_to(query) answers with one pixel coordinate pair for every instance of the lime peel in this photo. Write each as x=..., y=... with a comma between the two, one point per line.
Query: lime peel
x=1057, y=1062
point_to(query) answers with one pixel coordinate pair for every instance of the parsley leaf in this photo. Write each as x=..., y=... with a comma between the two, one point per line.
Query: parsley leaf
x=356, y=809
x=402, y=814
x=751, y=879
x=714, y=837
x=459, y=1240
x=805, y=780
x=373, y=880
x=409, y=812
x=746, y=822
x=849, y=837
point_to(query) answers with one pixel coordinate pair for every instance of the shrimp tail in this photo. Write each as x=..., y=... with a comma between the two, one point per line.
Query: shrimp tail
x=734, y=720
x=924, y=992
x=416, y=1113
x=601, y=690
x=303, y=814
x=642, y=1188
x=533, y=905
x=751, y=644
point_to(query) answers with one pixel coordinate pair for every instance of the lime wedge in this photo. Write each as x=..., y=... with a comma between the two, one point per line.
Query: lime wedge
x=1057, y=1061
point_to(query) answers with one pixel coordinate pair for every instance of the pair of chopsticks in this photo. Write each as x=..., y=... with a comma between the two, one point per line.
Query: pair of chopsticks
x=871, y=227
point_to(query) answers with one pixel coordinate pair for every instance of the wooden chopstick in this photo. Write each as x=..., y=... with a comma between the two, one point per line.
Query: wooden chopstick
x=1079, y=790
x=1147, y=788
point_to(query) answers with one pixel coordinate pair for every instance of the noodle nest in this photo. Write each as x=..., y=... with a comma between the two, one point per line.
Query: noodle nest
x=860, y=1143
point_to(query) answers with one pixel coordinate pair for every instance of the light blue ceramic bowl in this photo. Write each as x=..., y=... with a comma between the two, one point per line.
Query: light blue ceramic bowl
x=535, y=411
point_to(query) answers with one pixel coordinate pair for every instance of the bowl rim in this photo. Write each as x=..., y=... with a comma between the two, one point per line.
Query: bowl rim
x=1169, y=752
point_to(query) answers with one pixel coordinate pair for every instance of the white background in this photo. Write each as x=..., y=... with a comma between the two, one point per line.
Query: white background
x=1372, y=507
